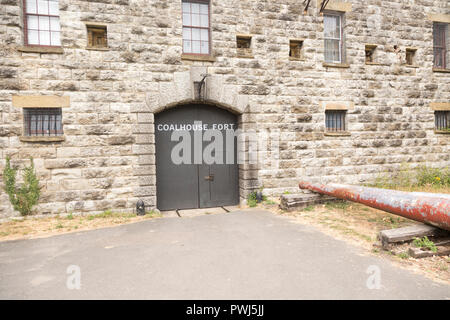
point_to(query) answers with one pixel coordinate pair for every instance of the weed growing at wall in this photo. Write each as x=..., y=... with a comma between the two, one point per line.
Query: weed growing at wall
x=433, y=176
x=405, y=177
x=22, y=198
x=251, y=200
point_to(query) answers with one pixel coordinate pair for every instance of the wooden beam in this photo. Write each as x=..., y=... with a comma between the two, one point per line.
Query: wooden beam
x=291, y=202
x=408, y=233
x=419, y=253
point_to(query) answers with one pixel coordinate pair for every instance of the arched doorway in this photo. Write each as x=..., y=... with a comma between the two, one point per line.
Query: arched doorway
x=196, y=157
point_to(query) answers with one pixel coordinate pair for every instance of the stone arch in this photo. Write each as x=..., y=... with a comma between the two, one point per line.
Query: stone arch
x=172, y=94
x=235, y=110
x=181, y=91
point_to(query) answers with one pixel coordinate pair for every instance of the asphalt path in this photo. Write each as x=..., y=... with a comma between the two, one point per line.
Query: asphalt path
x=240, y=255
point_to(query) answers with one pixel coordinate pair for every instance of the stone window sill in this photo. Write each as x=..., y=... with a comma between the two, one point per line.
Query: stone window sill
x=198, y=57
x=411, y=66
x=244, y=56
x=377, y=64
x=441, y=70
x=442, y=131
x=97, y=49
x=296, y=59
x=41, y=49
x=335, y=65
x=42, y=138
x=338, y=134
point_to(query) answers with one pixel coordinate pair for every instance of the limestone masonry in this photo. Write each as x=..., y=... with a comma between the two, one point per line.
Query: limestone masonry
x=108, y=96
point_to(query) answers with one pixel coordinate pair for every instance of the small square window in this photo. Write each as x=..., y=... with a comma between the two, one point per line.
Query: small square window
x=296, y=49
x=370, y=53
x=43, y=122
x=442, y=120
x=243, y=44
x=410, y=56
x=335, y=120
x=97, y=37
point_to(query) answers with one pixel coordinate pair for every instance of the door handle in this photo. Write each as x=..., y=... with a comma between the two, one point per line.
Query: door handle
x=210, y=177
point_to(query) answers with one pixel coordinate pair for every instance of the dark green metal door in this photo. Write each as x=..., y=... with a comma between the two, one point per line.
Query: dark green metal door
x=207, y=175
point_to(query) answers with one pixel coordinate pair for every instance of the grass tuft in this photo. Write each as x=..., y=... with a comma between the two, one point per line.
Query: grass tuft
x=422, y=178
x=425, y=243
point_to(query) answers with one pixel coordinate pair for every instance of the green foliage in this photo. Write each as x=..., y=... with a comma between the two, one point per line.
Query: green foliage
x=22, y=198
x=153, y=213
x=425, y=243
x=252, y=199
x=433, y=176
x=337, y=204
x=105, y=214
x=252, y=196
x=392, y=222
x=252, y=203
x=403, y=255
x=405, y=177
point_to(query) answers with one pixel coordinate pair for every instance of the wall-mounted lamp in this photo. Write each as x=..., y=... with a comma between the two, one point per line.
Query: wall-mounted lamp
x=200, y=88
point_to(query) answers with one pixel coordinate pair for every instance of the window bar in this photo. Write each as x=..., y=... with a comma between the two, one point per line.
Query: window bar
x=41, y=124
x=28, y=131
x=441, y=120
x=52, y=130
x=334, y=121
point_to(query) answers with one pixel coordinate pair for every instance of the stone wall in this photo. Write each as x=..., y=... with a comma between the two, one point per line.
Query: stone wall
x=107, y=158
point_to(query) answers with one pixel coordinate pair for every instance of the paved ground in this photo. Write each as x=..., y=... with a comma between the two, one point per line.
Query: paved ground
x=239, y=255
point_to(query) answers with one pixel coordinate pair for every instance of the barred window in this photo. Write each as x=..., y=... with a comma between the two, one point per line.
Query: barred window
x=333, y=35
x=335, y=120
x=41, y=20
x=43, y=121
x=442, y=120
x=196, y=27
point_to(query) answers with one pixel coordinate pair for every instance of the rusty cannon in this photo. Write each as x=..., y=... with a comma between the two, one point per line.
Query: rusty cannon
x=429, y=208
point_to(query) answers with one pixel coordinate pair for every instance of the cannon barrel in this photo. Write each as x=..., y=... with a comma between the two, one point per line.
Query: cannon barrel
x=429, y=208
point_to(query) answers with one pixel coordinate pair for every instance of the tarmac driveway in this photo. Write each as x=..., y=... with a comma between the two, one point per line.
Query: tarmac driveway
x=239, y=255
